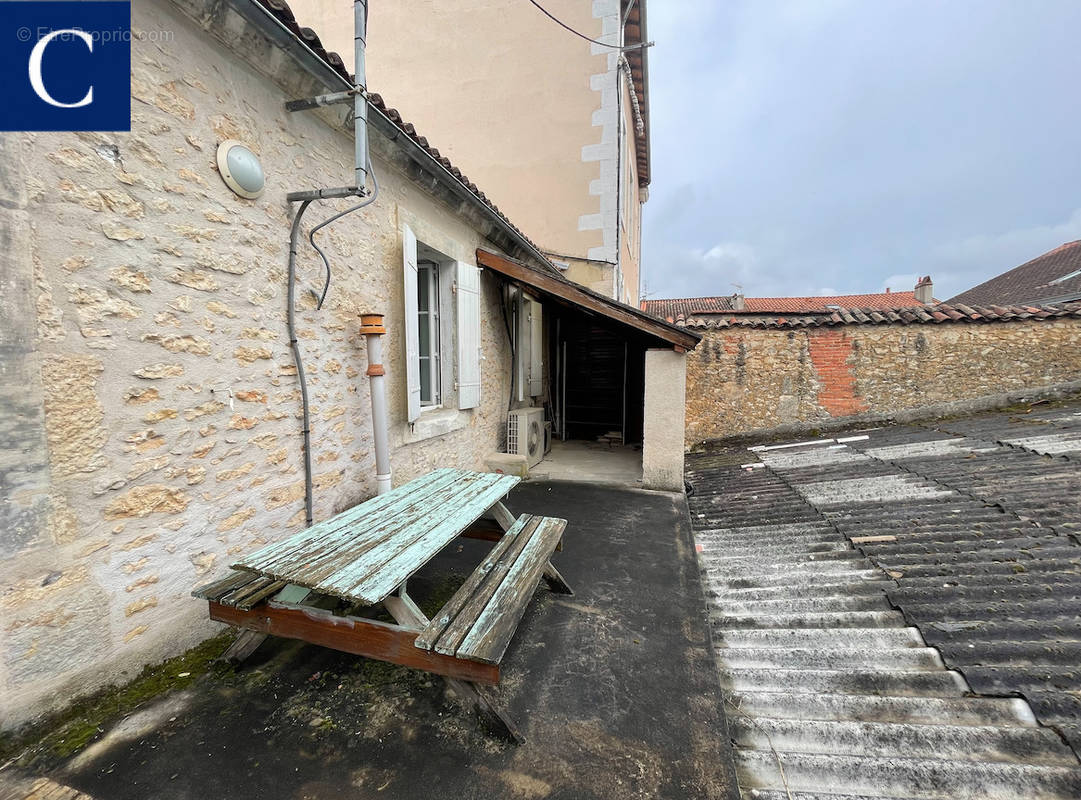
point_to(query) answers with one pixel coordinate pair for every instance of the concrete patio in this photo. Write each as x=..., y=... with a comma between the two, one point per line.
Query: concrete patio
x=591, y=462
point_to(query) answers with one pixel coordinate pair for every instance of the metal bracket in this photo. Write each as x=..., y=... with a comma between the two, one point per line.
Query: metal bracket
x=334, y=98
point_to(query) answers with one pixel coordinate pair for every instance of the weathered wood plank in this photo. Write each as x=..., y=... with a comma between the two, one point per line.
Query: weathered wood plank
x=374, y=579
x=221, y=586
x=362, y=637
x=453, y=607
x=255, y=598
x=364, y=558
x=465, y=619
x=237, y=595
x=324, y=539
x=495, y=626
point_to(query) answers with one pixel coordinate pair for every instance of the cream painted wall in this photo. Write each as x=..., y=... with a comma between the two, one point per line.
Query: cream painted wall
x=510, y=97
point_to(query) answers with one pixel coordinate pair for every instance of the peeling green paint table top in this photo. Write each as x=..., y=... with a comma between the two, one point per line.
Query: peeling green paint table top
x=365, y=553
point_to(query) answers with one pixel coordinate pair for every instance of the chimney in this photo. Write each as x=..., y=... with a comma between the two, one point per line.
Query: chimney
x=925, y=290
x=737, y=301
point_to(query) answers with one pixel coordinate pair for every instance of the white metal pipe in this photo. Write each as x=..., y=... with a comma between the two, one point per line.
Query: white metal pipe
x=373, y=330
x=360, y=102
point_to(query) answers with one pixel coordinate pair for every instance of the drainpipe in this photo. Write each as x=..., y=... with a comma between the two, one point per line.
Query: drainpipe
x=360, y=103
x=371, y=325
x=291, y=323
x=358, y=189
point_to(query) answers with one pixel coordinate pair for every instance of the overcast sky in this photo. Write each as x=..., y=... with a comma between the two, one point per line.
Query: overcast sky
x=843, y=146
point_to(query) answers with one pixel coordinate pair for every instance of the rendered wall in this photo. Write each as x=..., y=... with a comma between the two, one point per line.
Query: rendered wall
x=505, y=93
x=662, y=452
x=150, y=405
x=744, y=380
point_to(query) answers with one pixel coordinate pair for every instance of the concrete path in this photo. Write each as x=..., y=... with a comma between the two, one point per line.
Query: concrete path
x=829, y=693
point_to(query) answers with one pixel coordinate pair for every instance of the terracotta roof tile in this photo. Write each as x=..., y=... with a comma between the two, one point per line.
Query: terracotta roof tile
x=919, y=315
x=688, y=306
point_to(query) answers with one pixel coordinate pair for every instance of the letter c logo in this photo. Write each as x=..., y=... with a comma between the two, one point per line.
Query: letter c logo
x=35, y=68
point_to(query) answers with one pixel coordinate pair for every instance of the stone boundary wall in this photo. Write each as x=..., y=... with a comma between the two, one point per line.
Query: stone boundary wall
x=743, y=381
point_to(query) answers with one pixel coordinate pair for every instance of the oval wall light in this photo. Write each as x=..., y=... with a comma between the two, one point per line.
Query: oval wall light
x=239, y=167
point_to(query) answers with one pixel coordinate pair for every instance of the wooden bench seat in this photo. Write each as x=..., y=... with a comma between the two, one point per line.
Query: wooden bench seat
x=479, y=621
x=243, y=590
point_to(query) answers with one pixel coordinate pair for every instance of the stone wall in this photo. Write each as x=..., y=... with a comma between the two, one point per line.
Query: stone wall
x=150, y=405
x=741, y=380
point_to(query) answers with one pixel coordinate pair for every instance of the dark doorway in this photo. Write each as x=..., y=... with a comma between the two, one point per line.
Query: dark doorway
x=601, y=380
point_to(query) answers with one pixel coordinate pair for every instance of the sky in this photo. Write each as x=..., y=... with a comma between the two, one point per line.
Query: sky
x=844, y=146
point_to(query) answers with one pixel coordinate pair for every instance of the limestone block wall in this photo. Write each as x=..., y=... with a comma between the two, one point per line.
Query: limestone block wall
x=150, y=408
x=741, y=380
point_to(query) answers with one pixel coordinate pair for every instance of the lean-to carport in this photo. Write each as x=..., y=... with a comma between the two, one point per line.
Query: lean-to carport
x=612, y=369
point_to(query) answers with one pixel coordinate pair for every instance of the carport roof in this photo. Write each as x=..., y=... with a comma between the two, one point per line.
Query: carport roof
x=565, y=291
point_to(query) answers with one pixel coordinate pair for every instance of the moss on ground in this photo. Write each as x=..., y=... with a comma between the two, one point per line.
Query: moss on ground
x=438, y=594
x=66, y=732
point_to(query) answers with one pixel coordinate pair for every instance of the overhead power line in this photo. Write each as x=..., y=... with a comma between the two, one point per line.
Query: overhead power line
x=565, y=26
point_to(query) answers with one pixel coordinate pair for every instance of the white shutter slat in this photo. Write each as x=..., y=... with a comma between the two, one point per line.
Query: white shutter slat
x=468, y=335
x=412, y=325
x=536, y=350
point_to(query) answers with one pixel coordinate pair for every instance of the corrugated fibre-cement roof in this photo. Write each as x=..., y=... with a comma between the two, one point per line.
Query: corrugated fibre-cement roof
x=973, y=523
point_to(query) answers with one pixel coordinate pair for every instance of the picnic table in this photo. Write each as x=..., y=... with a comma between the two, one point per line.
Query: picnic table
x=313, y=585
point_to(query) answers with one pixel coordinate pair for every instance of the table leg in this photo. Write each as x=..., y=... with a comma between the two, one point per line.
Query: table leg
x=501, y=515
x=479, y=698
x=243, y=646
x=555, y=580
x=408, y=615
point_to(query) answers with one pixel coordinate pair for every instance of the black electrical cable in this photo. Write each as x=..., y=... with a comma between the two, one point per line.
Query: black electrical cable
x=562, y=24
x=510, y=337
x=311, y=235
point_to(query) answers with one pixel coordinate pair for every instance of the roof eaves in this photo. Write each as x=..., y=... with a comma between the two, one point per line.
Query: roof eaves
x=581, y=296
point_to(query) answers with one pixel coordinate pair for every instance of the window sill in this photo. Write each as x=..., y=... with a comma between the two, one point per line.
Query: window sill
x=435, y=422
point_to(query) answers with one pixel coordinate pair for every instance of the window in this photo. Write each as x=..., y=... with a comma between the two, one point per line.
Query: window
x=442, y=320
x=428, y=332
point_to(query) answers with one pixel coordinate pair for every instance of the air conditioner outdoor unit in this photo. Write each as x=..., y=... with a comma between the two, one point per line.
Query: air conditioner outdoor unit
x=525, y=434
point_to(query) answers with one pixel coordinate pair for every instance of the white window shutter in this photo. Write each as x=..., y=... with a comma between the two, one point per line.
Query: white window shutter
x=412, y=326
x=536, y=350
x=468, y=335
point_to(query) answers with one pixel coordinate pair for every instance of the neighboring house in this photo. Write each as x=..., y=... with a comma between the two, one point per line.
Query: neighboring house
x=151, y=404
x=1054, y=277
x=554, y=128
x=738, y=306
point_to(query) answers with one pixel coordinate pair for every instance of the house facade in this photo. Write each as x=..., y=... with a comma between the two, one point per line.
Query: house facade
x=554, y=127
x=152, y=408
